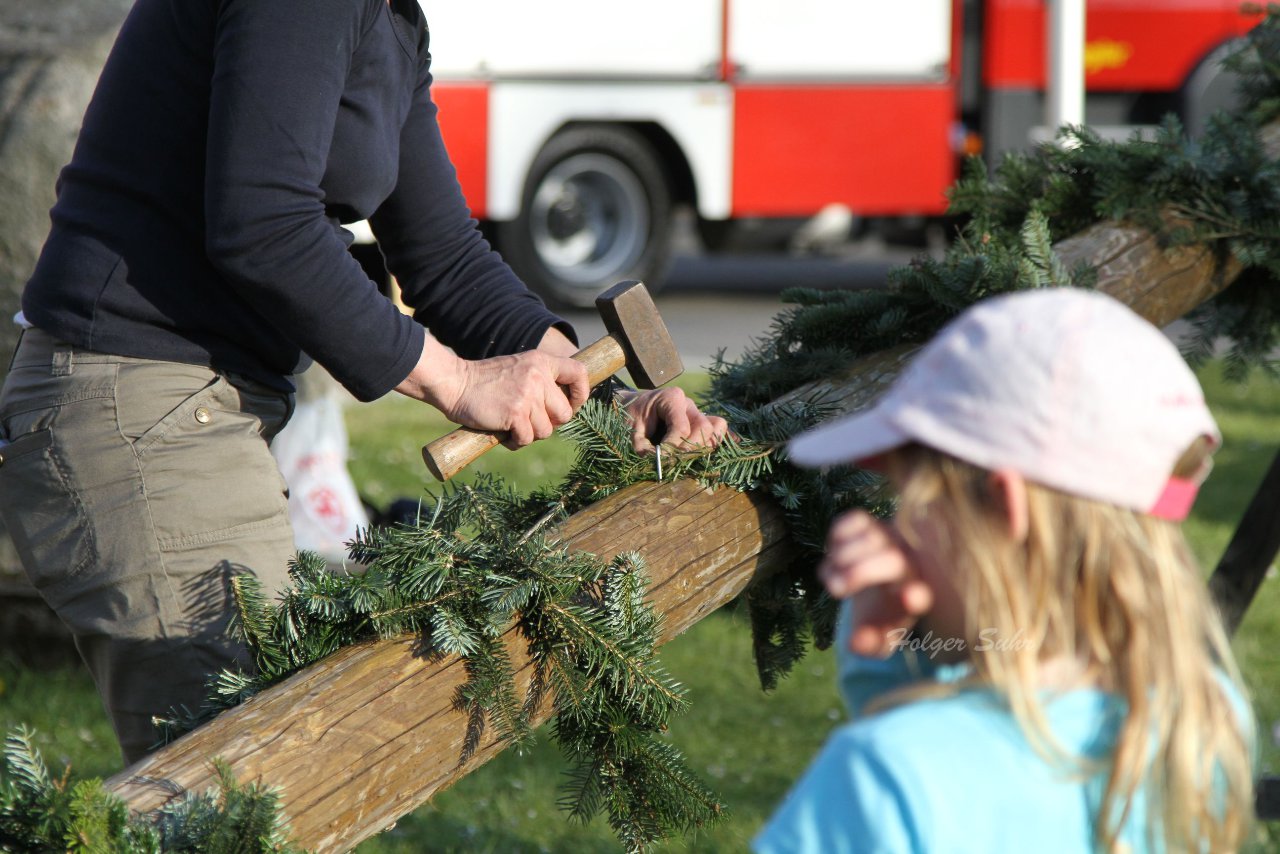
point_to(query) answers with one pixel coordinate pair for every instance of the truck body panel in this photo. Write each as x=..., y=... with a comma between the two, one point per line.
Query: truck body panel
x=749, y=109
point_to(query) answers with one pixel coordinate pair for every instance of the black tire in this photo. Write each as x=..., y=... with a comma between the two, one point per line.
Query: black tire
x=596, y=210
x=1209, y=89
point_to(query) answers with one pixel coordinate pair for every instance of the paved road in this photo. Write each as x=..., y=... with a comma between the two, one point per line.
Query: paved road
x=725, y=302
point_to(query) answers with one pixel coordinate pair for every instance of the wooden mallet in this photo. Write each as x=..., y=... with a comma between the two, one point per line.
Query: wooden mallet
x=637, y=340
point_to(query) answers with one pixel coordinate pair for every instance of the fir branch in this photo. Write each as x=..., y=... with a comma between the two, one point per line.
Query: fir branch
x=612, y=659
x=647, y=789
x=24, y=767
x=489, y=694
x=40, y=813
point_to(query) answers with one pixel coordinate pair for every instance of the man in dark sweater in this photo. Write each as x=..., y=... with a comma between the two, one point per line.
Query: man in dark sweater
x=196, y=260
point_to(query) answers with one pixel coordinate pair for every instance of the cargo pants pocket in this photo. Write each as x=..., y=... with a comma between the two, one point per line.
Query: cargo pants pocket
x=44, y=516
x=207, y=473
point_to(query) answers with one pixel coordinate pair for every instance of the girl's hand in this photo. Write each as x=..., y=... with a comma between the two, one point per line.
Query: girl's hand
x=664, y=415
x=868, y=561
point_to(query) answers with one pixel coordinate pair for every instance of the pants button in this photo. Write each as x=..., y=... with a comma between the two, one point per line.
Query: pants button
x=203, y=415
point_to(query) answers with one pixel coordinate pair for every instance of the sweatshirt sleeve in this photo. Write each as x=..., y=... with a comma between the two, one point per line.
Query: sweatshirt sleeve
x=279, y=72
x=457, y=285
x=847, y=801
x=863, y=679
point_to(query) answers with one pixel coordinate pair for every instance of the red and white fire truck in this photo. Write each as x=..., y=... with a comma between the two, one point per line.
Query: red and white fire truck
x=578, y=125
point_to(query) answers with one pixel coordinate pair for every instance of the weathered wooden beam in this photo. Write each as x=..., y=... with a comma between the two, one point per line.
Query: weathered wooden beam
x=370, y=733
x=1162, y=285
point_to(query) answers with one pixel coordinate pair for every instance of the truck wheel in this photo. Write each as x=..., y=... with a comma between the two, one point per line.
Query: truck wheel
x=1209, y=89
x=596, y=210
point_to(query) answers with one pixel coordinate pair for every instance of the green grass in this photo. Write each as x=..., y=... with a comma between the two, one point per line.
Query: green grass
x=747, y=744
x=386, y=453
x=1249, y=416
x=60, y=703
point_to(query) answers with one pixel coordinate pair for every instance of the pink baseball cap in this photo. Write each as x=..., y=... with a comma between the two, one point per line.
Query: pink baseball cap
x=1067, y=387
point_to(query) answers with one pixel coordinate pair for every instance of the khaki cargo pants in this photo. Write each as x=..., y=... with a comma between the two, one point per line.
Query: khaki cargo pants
x=134, y=490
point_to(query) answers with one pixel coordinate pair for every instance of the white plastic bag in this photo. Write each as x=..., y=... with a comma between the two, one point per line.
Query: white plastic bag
x=312, y=454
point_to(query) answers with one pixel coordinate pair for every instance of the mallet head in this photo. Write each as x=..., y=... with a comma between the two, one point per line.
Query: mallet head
x=633, y=320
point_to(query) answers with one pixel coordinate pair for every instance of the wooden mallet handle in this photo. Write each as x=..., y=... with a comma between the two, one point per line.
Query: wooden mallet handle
x=454, y=451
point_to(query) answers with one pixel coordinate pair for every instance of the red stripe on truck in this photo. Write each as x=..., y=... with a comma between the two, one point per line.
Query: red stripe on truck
x=880, y=149
x=464, y=122
x=1130, y=45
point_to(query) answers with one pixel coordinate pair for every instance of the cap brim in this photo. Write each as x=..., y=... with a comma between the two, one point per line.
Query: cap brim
x=851, y=439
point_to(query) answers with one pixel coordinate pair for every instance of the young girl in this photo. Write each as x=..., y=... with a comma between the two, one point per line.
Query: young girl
x=1028, y=649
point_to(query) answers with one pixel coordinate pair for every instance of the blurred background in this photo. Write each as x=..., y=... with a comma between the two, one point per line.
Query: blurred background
x=723, y=150
x=578, y=129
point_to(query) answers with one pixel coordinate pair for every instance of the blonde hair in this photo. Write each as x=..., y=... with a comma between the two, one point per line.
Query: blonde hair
x=1119, y=593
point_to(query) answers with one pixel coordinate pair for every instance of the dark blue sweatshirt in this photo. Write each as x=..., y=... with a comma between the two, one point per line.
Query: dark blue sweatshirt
x=198, y=220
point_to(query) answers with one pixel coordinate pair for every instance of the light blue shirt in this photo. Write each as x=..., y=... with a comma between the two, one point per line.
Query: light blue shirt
x=953, y=775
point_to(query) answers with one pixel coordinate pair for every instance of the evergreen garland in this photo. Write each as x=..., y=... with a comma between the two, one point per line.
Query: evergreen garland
x=41, y=813
x=826, y=330
x=481, y=558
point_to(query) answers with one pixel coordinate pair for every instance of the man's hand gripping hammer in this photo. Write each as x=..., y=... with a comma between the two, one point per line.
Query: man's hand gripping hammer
x=637, y=339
